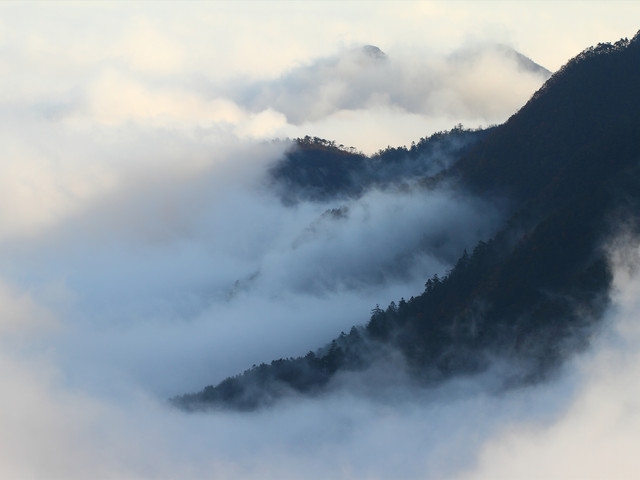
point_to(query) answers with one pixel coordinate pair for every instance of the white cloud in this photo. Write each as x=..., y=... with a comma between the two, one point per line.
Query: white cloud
x=583, y=425
x=202, y=252
x=595, y=435
x=394, y=95
x=131, y=203
x=172, y=66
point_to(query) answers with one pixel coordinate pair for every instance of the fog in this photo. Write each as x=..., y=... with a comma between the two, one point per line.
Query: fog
x=203, y=271
x=580, y=425
x=593, y=433
x=433, y=90
x=144, y=253
x=187, y=69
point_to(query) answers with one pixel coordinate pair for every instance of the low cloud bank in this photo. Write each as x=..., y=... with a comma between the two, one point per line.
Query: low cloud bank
x=582, y=425
x=594, y=434
x=173, y=278
x=142, y=256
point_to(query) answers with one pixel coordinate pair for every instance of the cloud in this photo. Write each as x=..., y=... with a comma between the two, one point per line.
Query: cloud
x=435, y=92
x=19, y=311
x=582, y=425
x=251, y=75
x=593, y=436
x=143, y=256
x=409, y=433
x=150, y=70
x=185, y=257
x=458, y=85
x=175, y=267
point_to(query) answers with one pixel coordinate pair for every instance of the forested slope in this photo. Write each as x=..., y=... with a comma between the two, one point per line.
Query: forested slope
x=567, y=165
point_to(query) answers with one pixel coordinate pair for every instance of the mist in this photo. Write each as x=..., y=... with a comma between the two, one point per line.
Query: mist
x=203, y=272
x=581, y=424
x=366, y=78
x=149, y=70
x=173, y=265
x=145, y=254
x=591, y=434
x=396, y=96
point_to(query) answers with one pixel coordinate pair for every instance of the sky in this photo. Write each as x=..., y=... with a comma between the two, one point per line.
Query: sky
x=144, y=255
x=201, y=64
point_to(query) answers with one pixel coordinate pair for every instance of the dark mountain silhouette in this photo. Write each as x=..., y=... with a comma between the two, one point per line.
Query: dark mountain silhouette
x=569, y=165
x=315, y=169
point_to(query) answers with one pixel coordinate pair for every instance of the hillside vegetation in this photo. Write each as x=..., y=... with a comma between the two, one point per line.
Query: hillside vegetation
x=567, y=165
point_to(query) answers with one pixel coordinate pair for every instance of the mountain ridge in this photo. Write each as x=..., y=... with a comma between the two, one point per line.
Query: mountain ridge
x=567, y=162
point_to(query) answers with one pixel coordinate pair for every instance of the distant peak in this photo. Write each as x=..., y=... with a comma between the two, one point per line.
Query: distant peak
x=373, y=52
x=472, y=53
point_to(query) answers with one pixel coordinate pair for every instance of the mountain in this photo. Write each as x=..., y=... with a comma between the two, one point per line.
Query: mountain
x=471, y=55
x=315, y=169
x=373, y=52
x=567, y=164
x=365, y=78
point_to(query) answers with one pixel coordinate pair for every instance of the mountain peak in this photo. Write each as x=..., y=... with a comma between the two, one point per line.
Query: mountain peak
x=473, y=53
x=373, y=52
